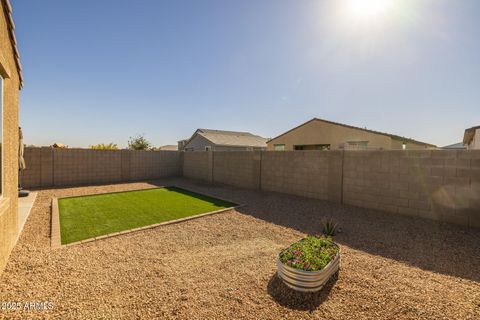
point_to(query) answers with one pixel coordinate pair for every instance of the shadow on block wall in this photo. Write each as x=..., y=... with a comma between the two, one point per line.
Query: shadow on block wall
x=426, y=244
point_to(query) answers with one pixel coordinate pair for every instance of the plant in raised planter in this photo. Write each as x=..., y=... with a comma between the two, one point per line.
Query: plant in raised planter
x=330, y=227
x=307, y=265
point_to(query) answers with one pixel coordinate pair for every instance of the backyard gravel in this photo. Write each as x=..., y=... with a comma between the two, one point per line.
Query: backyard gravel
x=224, y=265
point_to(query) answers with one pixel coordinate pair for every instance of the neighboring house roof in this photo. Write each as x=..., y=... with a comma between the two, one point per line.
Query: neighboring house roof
x=231, y=138
x=469, y=134
x=59, y=145
x=11, y=30
x=168, y=147
x=393, y=136
x=458, y=145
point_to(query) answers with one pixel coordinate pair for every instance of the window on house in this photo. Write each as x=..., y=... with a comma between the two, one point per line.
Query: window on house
x=279, y=147
x=404, y=146
x=312, y=147
x=208, y=148
x=357, y=145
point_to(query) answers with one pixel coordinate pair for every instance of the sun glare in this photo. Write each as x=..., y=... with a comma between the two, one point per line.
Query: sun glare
x=366, y=9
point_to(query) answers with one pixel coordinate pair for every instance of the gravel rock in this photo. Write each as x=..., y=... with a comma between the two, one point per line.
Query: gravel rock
x=224, y=266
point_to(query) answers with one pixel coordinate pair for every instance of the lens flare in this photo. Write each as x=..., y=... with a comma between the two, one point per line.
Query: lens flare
x=366, y=9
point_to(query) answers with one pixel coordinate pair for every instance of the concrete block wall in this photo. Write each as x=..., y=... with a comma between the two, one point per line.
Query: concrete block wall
x=303, y=173
x=84, y=166
x=238, y=168
x=439, y=184
x=198, y=165
x=145, y=165
x=34, y=177
x=48, y=167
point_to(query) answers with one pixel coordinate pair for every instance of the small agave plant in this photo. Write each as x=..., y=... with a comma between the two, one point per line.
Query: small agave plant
x=330, y=227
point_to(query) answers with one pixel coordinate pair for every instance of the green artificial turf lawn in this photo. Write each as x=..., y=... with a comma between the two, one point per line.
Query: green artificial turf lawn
x=92, y=216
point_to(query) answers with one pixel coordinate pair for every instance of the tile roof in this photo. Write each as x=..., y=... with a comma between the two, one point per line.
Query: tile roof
x=168, y=147
x=232, y=138
x=458, y=145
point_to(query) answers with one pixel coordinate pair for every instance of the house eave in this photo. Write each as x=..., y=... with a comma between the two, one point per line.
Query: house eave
x=11, y=30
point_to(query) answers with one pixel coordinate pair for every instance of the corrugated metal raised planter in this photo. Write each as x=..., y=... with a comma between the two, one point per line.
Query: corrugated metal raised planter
x=308, y=281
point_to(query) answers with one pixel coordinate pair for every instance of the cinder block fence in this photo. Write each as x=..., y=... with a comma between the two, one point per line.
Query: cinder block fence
x=49, y=167
x=441, y=185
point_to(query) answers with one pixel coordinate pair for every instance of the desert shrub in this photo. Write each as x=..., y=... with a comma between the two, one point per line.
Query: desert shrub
x=103, y=146
x=330, y=227
x=139, y=143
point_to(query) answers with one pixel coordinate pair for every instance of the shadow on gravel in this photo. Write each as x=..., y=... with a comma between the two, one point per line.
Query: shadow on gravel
x=304, y=301
x=422, y=243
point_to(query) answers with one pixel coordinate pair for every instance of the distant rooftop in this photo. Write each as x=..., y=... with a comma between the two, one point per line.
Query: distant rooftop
x=233, y=138
x=59, y=145
x=168, y=147
x=393, y=136
x=458, y=145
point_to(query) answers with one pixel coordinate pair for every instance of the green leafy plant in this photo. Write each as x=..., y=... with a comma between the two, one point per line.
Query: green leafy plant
x=139, y=143
x=103, y=146
x=330, y=227
x=310, y=254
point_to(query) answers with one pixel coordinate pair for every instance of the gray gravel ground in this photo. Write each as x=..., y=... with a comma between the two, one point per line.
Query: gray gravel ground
x=223, y=266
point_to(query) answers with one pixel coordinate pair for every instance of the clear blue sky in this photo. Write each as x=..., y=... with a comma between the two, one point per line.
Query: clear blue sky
x=101, y=71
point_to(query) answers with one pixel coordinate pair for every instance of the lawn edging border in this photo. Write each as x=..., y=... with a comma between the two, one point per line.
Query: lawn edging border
x=56, y=240
x=55, y=236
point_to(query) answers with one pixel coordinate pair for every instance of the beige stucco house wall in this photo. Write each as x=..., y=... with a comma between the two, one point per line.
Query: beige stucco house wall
x=11, y=74
x=197, y=143
x=476, y=140
x=472, y=138
x=318, y=133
